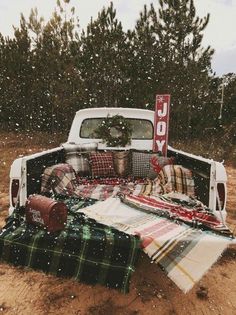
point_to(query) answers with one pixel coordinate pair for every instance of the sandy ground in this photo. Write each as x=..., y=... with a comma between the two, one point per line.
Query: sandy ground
x=24, y=291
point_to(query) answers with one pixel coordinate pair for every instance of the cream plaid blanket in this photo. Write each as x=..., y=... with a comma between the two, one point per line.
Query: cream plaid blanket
x=183, y=252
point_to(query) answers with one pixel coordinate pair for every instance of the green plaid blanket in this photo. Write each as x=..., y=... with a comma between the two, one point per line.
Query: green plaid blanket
x=86, y=250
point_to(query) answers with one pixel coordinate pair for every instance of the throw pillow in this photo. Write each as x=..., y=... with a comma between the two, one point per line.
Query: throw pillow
x=140, y=164
x=77, y=157
x=102, y=164
x=122, y=163
x=143, y=164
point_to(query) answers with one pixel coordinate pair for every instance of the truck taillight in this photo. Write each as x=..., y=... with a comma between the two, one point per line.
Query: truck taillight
x=221, y=194
x=15, y=185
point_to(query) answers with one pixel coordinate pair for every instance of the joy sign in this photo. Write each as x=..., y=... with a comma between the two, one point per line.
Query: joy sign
x=161, y=124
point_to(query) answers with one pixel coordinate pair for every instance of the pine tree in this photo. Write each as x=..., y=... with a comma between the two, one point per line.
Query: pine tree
x=229, y=98
x=15, y=66
x=48, y=71
x=56, y=79
x=186, y=65
x=145, y=73
x=102, y=62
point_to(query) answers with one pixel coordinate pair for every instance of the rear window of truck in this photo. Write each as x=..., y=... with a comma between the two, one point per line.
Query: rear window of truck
x=142, y=128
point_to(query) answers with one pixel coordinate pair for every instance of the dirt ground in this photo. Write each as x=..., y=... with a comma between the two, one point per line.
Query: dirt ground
x=23, y=291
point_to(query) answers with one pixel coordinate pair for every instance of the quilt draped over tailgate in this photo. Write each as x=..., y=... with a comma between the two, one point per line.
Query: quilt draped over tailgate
x=183, y=252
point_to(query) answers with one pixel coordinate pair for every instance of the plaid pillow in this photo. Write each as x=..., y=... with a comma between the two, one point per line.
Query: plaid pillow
x=122, y=163
x=141, y=164
x=102, y=164
x=59, y=178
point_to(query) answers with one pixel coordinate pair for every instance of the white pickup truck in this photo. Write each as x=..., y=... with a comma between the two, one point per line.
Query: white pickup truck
x=210, y=176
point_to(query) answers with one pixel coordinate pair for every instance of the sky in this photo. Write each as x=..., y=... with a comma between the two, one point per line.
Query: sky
x=220, y=33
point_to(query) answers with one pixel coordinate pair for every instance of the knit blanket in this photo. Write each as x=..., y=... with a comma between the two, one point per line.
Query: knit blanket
x=86, y=250
x=183, y=252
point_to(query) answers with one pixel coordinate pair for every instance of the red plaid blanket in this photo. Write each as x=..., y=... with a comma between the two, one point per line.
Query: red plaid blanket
x=60, y=179
x=198, y=216
x=104, y=188
x=108, y=181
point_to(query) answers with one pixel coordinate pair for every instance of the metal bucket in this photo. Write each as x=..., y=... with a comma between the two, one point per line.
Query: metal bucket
x=46, y=212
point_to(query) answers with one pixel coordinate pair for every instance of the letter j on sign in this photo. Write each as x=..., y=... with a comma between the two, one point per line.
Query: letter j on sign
x=161, y=124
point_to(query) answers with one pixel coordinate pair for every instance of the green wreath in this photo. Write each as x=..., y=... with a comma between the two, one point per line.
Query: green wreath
x=115, y=131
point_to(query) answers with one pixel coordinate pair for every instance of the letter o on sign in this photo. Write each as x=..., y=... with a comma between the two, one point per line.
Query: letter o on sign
x=161, y=128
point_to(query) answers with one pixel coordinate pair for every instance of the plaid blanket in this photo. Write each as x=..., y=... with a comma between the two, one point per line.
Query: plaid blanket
x=86, y=250
x=59, y=179
x=176, y=178
x=196, y=216
x=103, y=188
x=183, y=252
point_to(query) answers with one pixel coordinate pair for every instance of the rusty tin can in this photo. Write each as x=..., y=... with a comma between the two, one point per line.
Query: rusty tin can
x=46, y=212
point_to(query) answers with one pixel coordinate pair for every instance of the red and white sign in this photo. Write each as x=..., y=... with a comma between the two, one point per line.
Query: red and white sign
x=161, y=124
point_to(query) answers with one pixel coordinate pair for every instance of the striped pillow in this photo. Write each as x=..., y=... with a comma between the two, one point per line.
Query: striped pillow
x=77, y=157
x=122, y=163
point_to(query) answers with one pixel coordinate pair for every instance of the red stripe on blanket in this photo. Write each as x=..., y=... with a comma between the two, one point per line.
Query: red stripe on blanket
x=153, y=232
x=194, y=216
x=153, y=202
x=167, y=229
